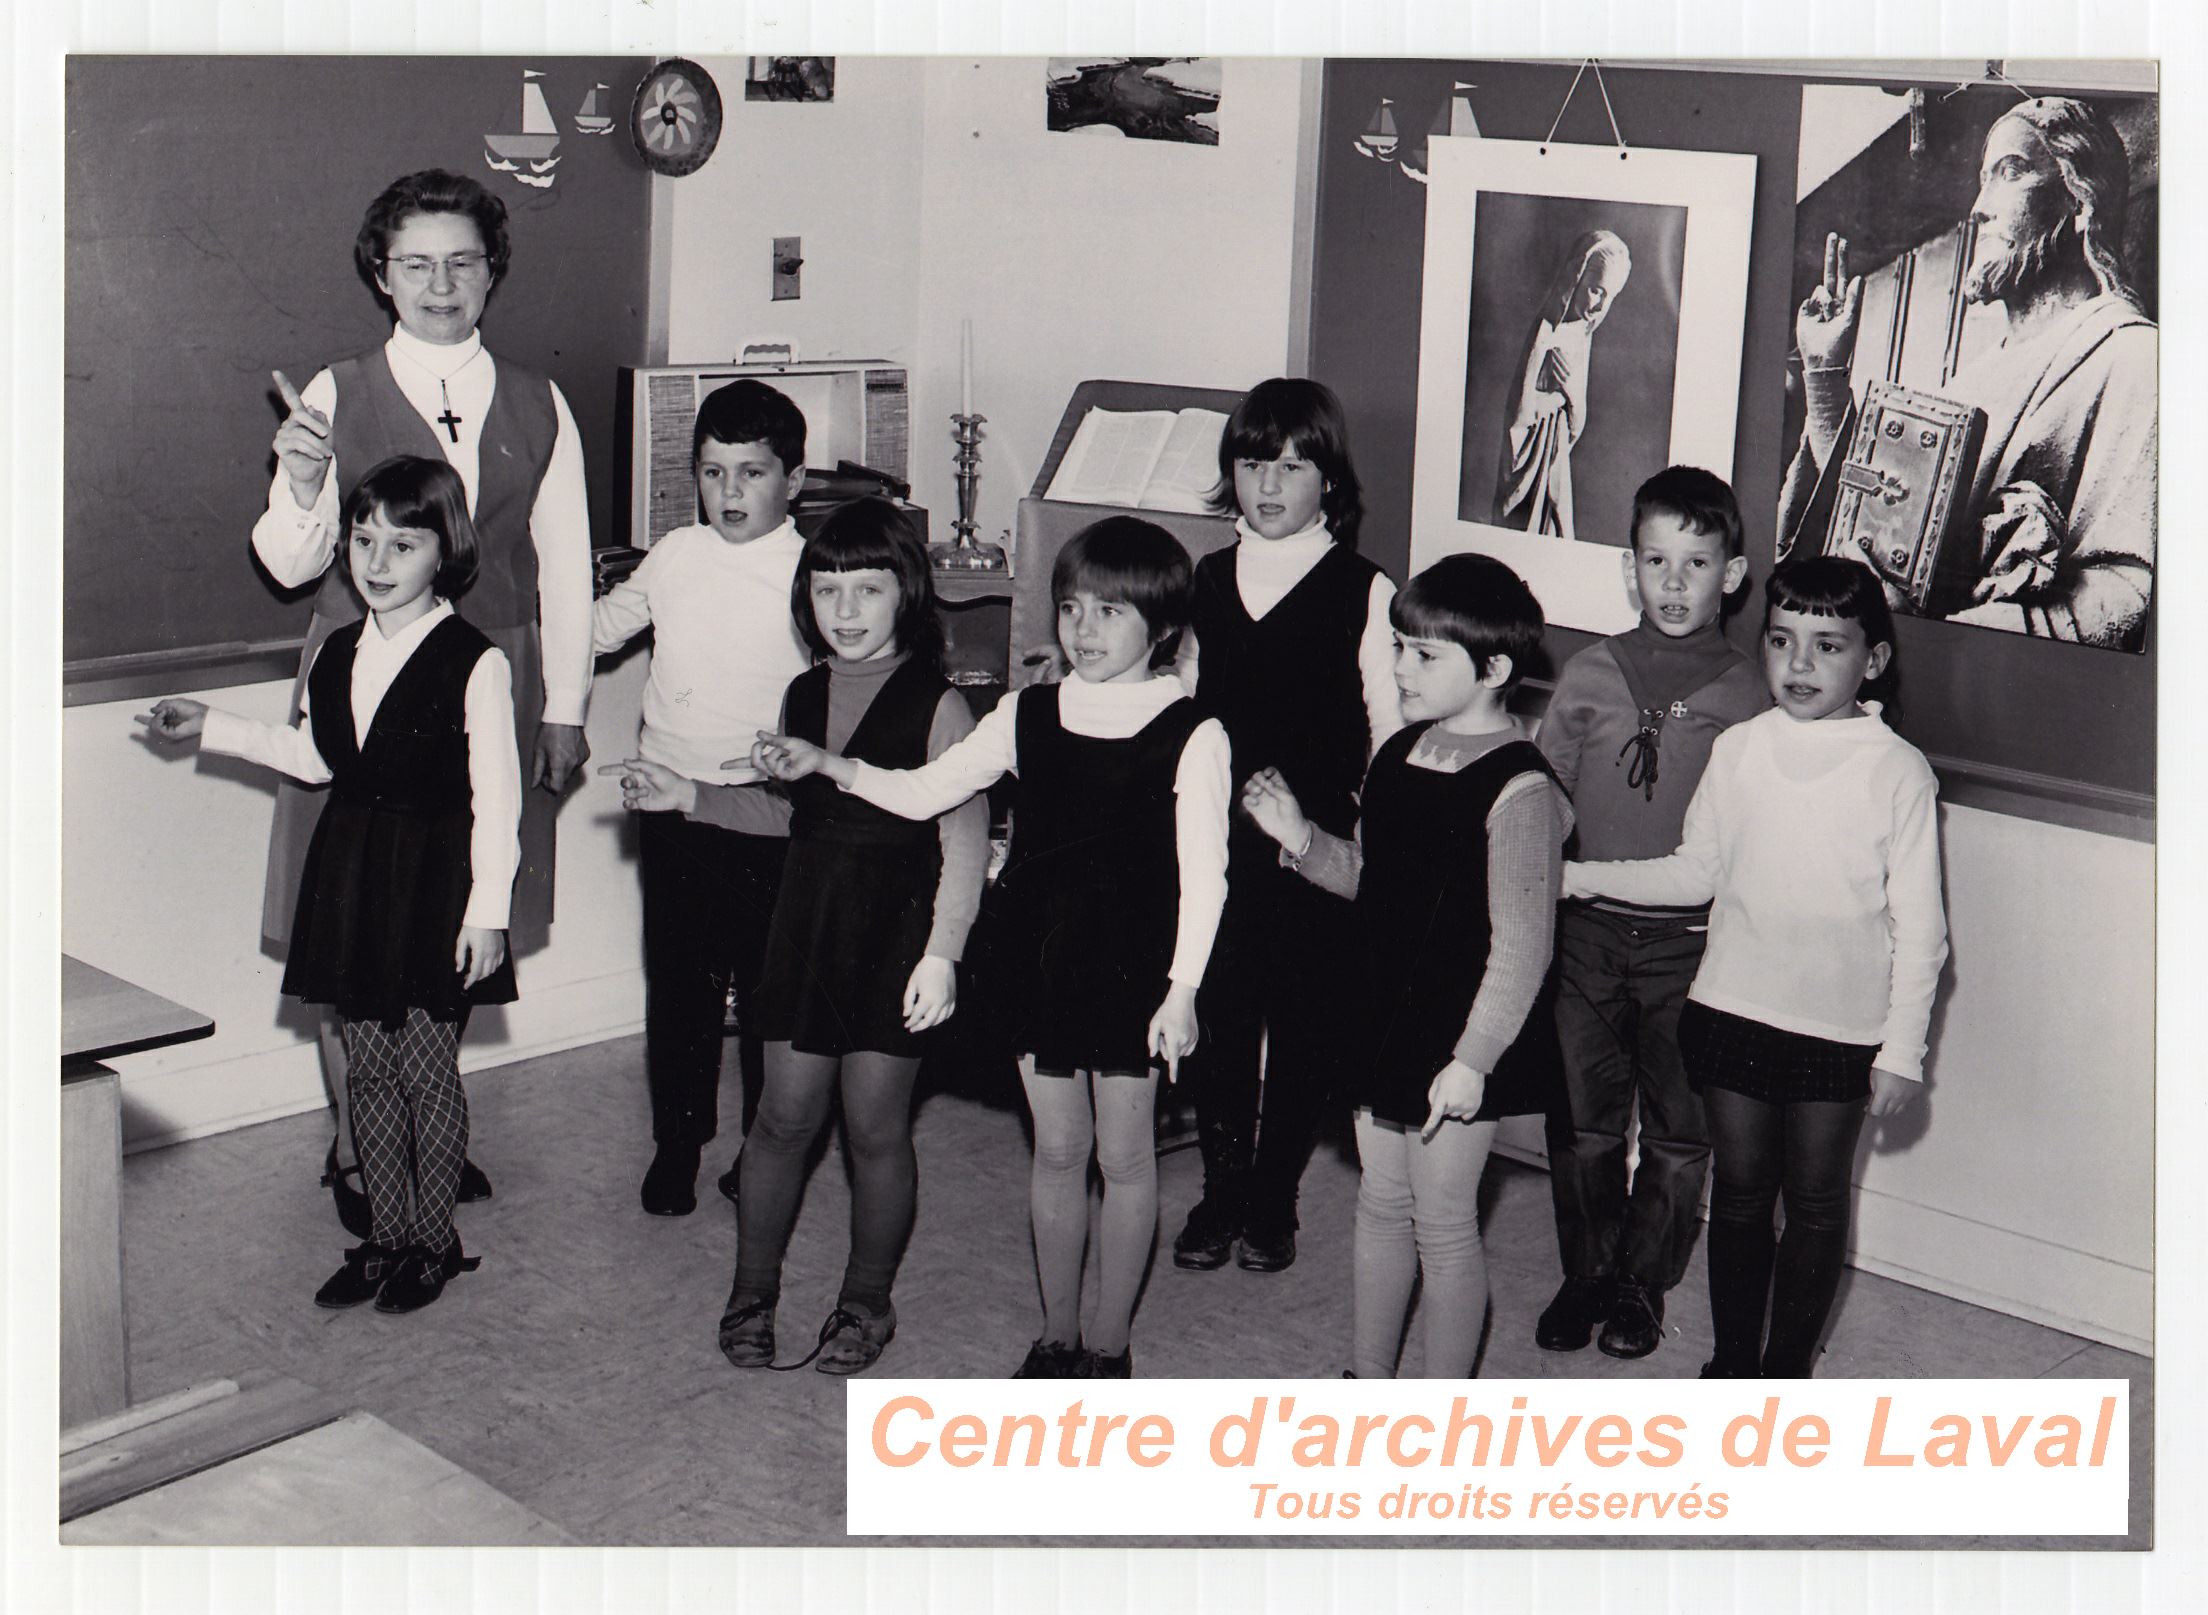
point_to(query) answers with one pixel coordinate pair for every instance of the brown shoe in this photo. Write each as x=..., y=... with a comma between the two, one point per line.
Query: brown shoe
x=852, y=1341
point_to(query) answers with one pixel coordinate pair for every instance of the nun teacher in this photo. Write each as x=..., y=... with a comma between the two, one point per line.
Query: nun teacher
x=432, y=247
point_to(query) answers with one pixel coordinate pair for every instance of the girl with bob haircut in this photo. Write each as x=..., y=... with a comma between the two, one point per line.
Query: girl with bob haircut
x=403, y=906
x=1814, y=836
x=1104, y=914
x=1452, y=872
x=1289, y=650
x=868, y=926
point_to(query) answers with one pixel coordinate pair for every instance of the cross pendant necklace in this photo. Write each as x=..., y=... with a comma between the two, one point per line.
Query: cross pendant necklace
x=448, y=420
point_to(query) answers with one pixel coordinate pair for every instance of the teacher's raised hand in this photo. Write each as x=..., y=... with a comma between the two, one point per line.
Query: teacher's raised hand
x=302, y=444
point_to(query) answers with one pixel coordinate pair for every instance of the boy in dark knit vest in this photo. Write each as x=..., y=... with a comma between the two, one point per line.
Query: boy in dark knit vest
x=1628, y=732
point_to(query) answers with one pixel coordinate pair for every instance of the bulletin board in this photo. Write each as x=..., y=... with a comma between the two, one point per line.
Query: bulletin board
x=2049, y=730
x=211, y=209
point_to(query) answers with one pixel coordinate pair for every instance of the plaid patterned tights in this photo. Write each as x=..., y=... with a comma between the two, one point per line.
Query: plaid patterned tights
x=410, y=1125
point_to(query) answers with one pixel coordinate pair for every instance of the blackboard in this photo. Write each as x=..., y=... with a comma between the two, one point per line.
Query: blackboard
x=2060, y=731
x=210, y=215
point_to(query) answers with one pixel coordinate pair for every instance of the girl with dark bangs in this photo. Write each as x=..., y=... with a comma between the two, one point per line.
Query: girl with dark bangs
x=868, y=926
x=1814, y=836
x=1290, y=650
x=1103, y=917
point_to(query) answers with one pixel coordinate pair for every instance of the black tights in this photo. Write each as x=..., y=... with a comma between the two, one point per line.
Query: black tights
x=877, y=1130
x=1804, y=1153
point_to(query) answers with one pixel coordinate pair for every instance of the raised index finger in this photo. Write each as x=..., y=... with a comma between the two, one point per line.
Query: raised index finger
x=301, y=410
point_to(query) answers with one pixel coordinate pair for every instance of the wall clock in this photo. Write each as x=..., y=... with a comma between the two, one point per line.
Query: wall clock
x=676, y=117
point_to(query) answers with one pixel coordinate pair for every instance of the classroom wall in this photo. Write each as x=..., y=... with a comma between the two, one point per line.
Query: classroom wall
x=162, y=860
x=937, y=195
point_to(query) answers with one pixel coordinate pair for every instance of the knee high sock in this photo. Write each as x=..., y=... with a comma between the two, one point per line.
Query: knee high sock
x=1384, y=1259
x=885, y=1174
x=410, y=1125
x=1820, y=1162
x=1748, y=1157
x=1127, y=1156
x=1058, y=1195
x=793, y=1106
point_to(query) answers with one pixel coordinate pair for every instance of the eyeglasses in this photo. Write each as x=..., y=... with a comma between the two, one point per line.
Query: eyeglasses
x=419, y=268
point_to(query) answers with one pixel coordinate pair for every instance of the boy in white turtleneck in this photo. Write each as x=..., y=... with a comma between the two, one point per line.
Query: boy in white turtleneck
x=717, y=599
x=1814, y=835
x=1291, y=651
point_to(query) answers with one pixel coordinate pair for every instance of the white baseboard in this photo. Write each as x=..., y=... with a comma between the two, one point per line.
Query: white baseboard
x=182, y=1102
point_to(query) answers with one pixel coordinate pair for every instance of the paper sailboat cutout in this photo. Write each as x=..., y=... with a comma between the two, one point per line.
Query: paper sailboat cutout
x=591, y=119
x=531, y=155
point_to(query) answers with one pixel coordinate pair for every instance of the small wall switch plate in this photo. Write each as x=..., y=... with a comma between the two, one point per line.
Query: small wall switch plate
x=789, y=258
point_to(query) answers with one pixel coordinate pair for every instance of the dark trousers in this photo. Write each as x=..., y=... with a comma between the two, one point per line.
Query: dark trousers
x=708, y=894
x=1279, y=972
x=1803, y=1152
x=1621, y=982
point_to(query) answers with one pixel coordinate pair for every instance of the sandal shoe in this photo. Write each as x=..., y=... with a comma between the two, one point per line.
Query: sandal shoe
x=851, y=1342
x=367, y=1266
x=1051, y=1359
x=352, y=1202
x=747, y=1333
x=422, y=1275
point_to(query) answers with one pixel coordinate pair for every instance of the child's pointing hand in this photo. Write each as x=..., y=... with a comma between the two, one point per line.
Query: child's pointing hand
x=174, y=718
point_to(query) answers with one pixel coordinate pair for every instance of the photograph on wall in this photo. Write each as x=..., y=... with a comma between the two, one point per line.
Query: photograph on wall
x=1140, y=97
x=790, y=78
x=1556, y=424
x=1971, y=406
x=1563, y=293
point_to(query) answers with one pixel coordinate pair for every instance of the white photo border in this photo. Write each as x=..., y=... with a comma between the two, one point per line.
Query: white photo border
x=1578, y=584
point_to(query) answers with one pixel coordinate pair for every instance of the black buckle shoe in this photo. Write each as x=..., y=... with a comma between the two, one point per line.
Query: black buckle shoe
x=422, y=1275
x=1568, y=1322
x=1206, y=1240
x=367, y=1266
x=1636, y=1323
x=1266, y=1253
x=671, y=1185
x=1051, y=1359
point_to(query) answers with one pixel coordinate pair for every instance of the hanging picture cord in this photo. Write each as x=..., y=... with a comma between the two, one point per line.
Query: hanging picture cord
x=1993, y=71
x=1608, y=111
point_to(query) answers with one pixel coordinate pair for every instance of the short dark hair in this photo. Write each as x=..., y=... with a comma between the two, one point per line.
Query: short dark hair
x=412, y=490
x=1293, y=412
x=430, y=191
x=1126, y=558
x=1700, y=499
x=858, y=537
x=1835, y=586
x=750, y=411
x=1474, y=601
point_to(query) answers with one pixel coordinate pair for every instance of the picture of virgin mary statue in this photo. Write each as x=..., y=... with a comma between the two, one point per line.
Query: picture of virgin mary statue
x=1534, y=481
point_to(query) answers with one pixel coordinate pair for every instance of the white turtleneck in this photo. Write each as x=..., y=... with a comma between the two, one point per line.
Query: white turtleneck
x=1817, y=845
x=1203, y=786
x=1265, y=569
x=296, y=545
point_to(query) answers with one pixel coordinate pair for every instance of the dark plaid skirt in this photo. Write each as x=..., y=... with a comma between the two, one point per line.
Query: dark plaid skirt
x=1762, y=1062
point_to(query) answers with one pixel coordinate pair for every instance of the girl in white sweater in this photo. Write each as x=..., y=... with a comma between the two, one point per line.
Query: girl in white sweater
x=1815, y=838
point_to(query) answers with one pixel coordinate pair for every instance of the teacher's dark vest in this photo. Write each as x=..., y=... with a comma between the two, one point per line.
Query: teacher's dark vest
x=374, y=421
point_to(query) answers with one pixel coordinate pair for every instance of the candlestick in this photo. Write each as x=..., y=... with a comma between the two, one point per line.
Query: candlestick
x=965, y=554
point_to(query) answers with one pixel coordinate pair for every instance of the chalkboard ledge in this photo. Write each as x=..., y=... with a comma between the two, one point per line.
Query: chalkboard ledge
x=97, y=679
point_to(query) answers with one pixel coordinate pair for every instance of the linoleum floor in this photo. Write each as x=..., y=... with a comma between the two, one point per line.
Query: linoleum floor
x=577, y=1371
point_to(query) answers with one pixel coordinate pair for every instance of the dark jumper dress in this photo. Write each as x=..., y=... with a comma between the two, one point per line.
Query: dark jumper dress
x=1424, y=931
x=1085, y=912
x=388, y=870
x=858, y=889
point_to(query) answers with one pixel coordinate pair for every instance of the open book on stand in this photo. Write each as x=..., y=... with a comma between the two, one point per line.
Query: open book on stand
x=1146, y=459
